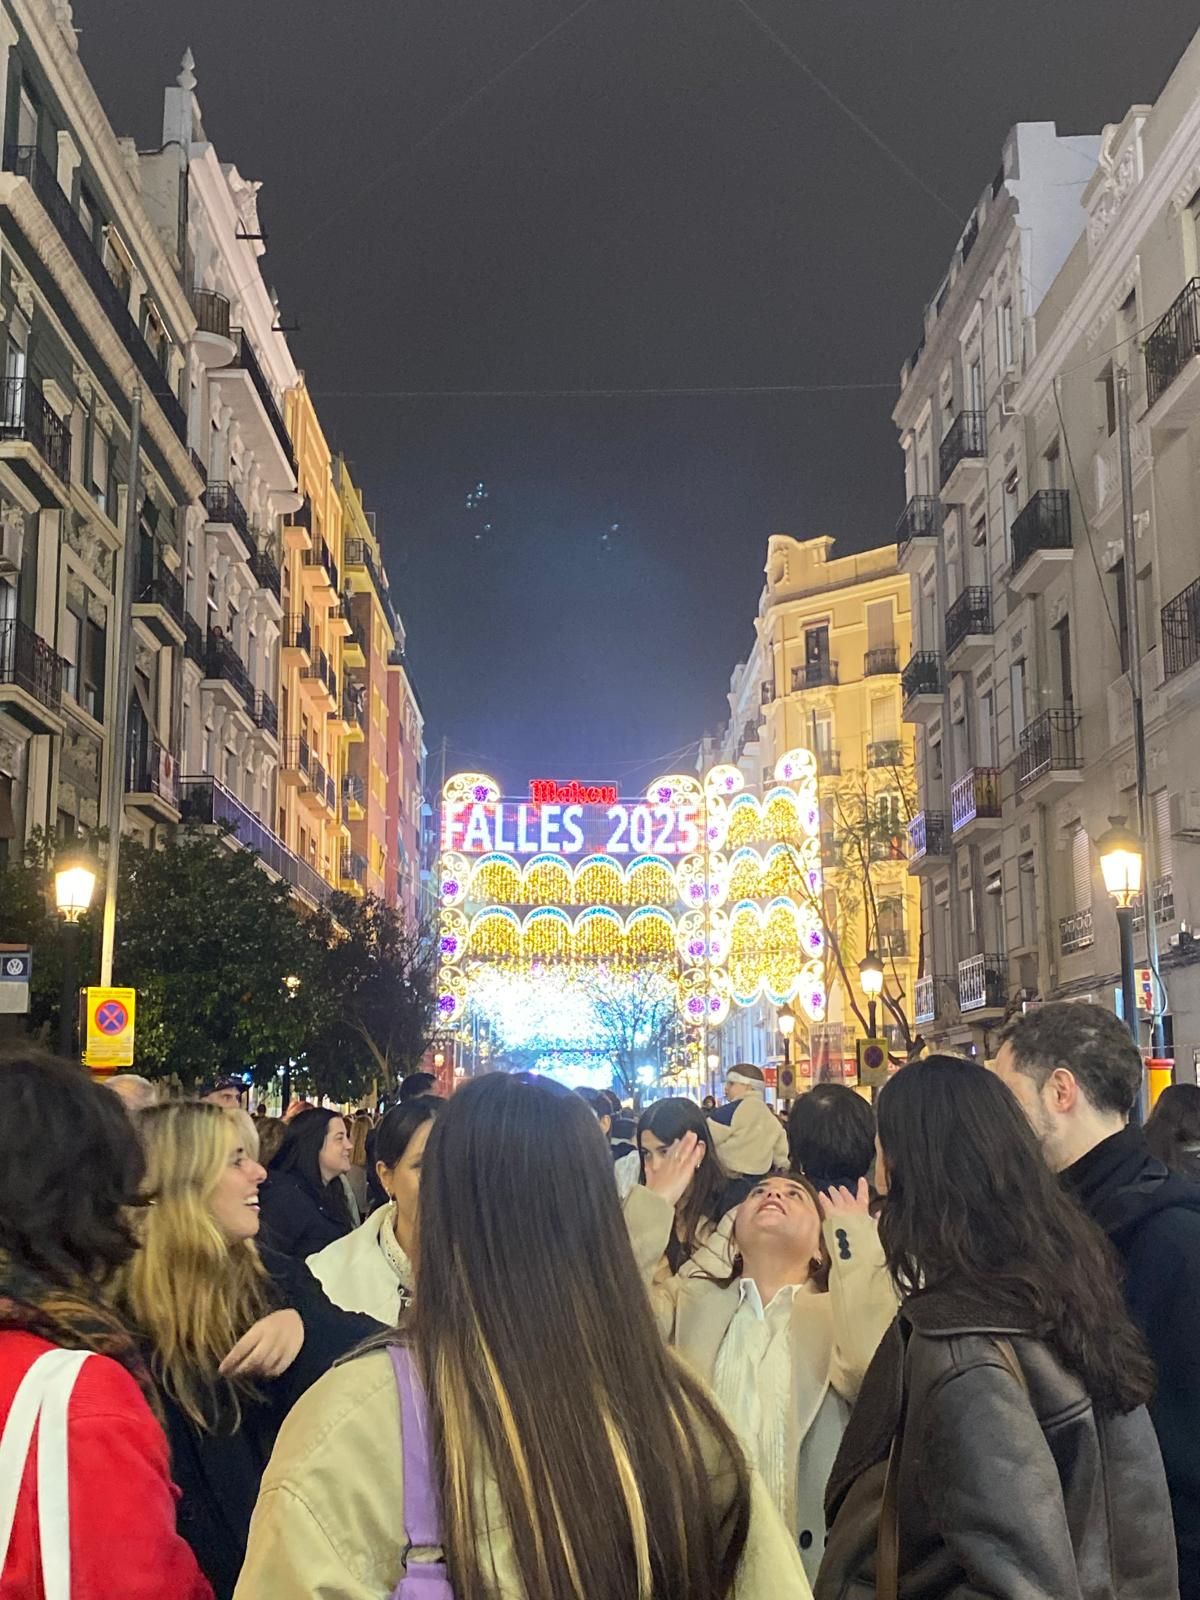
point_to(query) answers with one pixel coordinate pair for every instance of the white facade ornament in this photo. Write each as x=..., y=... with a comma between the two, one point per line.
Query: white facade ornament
x=1185, y=193
x=1123, y=172
x=23, y=290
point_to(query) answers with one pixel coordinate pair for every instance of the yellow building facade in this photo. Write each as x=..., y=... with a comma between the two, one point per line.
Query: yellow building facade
x=831, y=636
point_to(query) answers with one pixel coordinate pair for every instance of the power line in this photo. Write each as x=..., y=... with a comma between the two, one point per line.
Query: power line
x=830, y=94
x=445, y=122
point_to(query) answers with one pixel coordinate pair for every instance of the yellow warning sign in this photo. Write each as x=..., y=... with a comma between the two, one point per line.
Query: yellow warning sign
x=108, y=1035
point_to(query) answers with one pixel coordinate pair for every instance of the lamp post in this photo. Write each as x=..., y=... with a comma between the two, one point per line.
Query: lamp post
x=787, y=1027
x=713, y=1062
x=292, y=984
x=74, y=885
x=870, y=977
x=1120, y=852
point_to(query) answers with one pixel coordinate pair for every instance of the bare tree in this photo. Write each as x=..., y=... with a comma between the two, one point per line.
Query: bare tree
x=635, y=1010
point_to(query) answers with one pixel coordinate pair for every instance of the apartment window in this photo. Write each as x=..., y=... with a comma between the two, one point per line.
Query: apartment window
x=1007, y=334
x=1108, y=382
x=979, y=533
x=99, y=463
x=1017, y=694
x=975, y=400
x=885, y=721
x=1081, y=868
x=27, y=119
x=87, y=214
x=117, y=264
x=1066, y=678
x=935, y=761
x=71, y=645
x=986, y=744
x=155, y=334
x=1165, y=864
x=1027, y=898
x=1053, y=462
x=1012, y=499
x=887, y=813
x=91, y=672
x=881, y=633
x=210, y=598
x=1118, y=577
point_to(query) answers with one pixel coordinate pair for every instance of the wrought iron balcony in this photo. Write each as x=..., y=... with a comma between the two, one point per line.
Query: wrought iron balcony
x=266, y=714
x=920, y=519
x=331, y=792
x=885, y=753
x=1173, y=343
x=970, y=615
x=28, y=663
x=975, y=795
x=815, y=675
x=247, y=361
x=927, y=835
x=150, y=770
x=301, y=517
x=194, y=643
x=1050, y=743
x=893, y=944
x=297, y=634
x=354, y=796
x=884, y=658
x=295, y=755
x=829, y=763
x=157, y=585
x=316, y=773
x=1164, y=904
x=1043, y=524
x=28, y=162
x=352, y=708
x=354, y=868
x=966, y=440
x=922, y=675
x=207, y=802
x=212, y=312
x=266, y=573
x=223, y=663
x=1075, y=932
x=221, y=504
x=321, y=556
x=983, y=983
x=357, y=553
x=25, y=414
x=1181, y=631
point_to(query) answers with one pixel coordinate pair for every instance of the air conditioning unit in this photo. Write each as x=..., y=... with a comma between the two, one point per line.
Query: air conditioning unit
x=1185, y=814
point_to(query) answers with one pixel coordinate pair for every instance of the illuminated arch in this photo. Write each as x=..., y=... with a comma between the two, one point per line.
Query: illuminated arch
x=650, y=881
x=455, y=877
x=548, y=881
x=496, y=935
x=599, y=881
x=650, y=936
x=781, y=954
x=744, y=966
x=453, y=937
x=546, y=935
x=470, y=788
x=700, y=936
x=497, y=878
x=701, y=878
x=599, y=935
x=745, y=822
x=745, y=874
x=782, y=874
x=674, y=789
x=781, y=814
x=724, y=780
x=451, y=998
x=796, y=766
x=715, y=821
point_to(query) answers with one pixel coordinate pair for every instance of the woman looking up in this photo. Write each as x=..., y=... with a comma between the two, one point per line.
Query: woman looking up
x=1010, y=1394
x=304, y=1204
x=709, y=1195
x=370, y=1270
x=234, y=1335
x=573, y=1458
x=70, y=1165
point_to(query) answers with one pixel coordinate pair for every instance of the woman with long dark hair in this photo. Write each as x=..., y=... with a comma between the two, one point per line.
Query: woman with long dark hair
x=304, y=1202
x=710, y=1195
x=572, y=1457
x=1000, y=1444
x=1173, y=1130
x=371, y=1269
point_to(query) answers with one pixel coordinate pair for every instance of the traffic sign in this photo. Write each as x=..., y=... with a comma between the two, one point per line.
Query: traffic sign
x=16, y=968
x=872, y=1062
x=109, y=1028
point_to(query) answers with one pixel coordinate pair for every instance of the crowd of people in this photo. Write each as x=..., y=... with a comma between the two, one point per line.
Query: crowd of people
x=522, y=1342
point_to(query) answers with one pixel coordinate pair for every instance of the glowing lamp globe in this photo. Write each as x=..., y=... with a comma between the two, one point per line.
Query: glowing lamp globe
x=1120, y=852
x=787, y=1022
x=74, y=885
x=870, y=975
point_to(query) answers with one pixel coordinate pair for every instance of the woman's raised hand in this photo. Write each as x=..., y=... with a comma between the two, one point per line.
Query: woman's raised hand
x=837, y=1201
x=267, y=1348
x=674, y=1170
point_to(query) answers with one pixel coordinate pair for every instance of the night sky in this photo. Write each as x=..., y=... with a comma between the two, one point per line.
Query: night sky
x=656, y=197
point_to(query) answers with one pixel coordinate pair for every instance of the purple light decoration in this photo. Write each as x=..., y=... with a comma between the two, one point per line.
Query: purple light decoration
x=480, y=792
x=445, y=1004
x=665, y=792
x=450, y=888
x=449, y=944
x=696, y=891
x=815, y=939
x=695, y=1008
x=696, y=947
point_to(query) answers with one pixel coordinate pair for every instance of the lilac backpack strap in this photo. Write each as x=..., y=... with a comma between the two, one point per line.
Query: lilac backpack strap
x=422, y=1580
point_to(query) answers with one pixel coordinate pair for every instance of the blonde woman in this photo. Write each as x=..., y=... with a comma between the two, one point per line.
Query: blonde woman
x=233, y=1335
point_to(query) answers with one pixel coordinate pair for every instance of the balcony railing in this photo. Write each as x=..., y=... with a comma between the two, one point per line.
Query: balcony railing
x=1044, y=524
x=927, y=835
x=354, y=868
x=297, y=634
x=815, y=675
x=354, y=794
x=885, y=752
x=893, y=944
x=212, y=312
x=352, y=709
x=976, y=794
x=205, y=801
x=966, y=440
x=1173, y=343
x=925, y=996
x=922, y=675
x=920, y=519
x=221, y=504
x=248, y=362
x=1050, y=743
x=266, y=713
x=223, y=662
x=28, y=662
x=295, y=755
x=24, y=414
x=194, y=643
x=829, y=763
x=149, y=769
x=266, y=573
x=1181, y=631
x=331, y=791
x=970, y=614
x=28, y=162
x=983, y=983
x=1075, y=932
x=321, y=556
x=1164, y=904
x=158, y=586
x=884, y=658
x=357, y=553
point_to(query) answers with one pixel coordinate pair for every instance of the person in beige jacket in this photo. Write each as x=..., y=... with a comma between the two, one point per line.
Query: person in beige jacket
x=574, y=1456
x=780, y=1313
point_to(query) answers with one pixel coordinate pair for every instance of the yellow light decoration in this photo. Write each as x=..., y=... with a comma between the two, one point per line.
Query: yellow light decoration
x=546, y=935
x=781, y=874
x=745, y=823
x=599, y=935
x=599, y=881
x=704, y=997
x=781, y=817
x=795, y=766
x=724, y=781
x=650, y=881
x=744, y=966
x=700, y=879
x=548, y=881
x=455, y=872
x=453, y=937
x=745, y=874
x=496, y=935
x=650, y=936
x=497, y=878
x=470, y=788
x=697, y=933
x=780, y=951
x=674, y=789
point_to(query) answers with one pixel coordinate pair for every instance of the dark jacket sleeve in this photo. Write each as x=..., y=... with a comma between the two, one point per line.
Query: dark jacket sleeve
x=293, y=1221
x=329, y=1332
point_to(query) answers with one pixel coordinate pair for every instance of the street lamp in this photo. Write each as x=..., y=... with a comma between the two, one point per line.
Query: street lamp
x=787, y=1027
x=74, y=885
x=1120, y=852
x=292, y=984
x=870, y=976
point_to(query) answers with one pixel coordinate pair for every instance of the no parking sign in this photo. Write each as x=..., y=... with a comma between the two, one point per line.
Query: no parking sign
x=109, y=1029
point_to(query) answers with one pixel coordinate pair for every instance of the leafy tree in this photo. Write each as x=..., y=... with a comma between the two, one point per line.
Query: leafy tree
x=28, y=916
x=373, y=978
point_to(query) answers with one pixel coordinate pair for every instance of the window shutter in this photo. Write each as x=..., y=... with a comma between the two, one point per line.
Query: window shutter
x=1081, y=867
x=1162, y=832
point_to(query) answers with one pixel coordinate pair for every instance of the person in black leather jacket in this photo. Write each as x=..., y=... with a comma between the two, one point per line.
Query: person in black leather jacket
x=1012, y=1385
x=304, y=1204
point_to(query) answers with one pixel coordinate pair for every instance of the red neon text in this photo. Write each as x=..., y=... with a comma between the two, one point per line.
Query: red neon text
x=548, y=792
